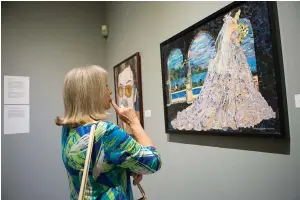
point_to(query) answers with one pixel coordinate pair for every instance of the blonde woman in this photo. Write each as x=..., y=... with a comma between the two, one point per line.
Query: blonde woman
x=116, y=155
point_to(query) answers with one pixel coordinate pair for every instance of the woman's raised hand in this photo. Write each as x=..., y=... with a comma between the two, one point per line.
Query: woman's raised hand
x=127, y=115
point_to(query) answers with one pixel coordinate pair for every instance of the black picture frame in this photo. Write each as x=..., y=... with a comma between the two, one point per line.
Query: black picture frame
x=137, y=82
x=282, y=110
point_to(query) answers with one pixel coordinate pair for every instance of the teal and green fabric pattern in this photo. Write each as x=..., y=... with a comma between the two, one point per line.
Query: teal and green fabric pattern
x=115, y=157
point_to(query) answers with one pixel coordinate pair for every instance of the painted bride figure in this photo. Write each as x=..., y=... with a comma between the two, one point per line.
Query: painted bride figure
x=228, y=98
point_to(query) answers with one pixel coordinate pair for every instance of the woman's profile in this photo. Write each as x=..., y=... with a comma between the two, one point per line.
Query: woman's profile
x=116, y=155
x=229, y=97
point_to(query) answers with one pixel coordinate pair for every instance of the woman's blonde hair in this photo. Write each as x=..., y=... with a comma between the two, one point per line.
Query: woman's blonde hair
x=84, y=93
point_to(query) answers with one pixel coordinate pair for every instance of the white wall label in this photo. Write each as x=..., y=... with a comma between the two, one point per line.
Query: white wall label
x=297, y=100
x=16, y=90
x=147, y=113
x=16, y=119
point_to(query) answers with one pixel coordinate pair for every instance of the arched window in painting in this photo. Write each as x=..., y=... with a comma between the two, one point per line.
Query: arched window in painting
x=176, y=76
x=201, y=51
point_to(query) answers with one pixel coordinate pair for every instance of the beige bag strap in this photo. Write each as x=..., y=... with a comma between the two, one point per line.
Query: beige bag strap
x=142, y=191
x=87, y=163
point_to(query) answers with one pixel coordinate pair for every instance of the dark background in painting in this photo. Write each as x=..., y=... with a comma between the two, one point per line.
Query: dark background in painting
x=257, y=13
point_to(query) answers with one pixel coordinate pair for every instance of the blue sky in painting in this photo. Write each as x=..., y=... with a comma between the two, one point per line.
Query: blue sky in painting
x=175, y=59
x=202, y=50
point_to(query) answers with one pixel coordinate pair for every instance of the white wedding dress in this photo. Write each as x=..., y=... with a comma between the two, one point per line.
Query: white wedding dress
x=228, y=98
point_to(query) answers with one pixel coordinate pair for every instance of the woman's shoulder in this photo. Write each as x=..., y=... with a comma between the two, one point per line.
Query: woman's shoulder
x=110, y=132
x=103, y=128
x=106, y=127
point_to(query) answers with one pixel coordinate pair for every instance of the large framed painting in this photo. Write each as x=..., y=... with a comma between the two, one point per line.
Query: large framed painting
x=224, y=75
x=128, y=87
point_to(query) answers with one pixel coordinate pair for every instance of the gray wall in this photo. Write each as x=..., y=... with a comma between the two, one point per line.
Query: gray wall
x=44, y=40
x=190, y=170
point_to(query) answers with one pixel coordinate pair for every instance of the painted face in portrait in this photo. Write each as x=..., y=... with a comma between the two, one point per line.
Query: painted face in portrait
x=125, y=88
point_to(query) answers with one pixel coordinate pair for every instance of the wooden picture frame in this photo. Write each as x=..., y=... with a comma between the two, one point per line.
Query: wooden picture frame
x=128, y=87
x=178, y=66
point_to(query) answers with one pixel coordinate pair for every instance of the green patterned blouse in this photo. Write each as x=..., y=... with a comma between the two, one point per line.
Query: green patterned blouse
x=116, y=155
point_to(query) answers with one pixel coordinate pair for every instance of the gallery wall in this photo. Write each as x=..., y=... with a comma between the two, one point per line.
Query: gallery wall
x=43, y=40
x=209, y=168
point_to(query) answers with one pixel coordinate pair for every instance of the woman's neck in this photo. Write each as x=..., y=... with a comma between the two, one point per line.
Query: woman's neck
x=89, y=122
